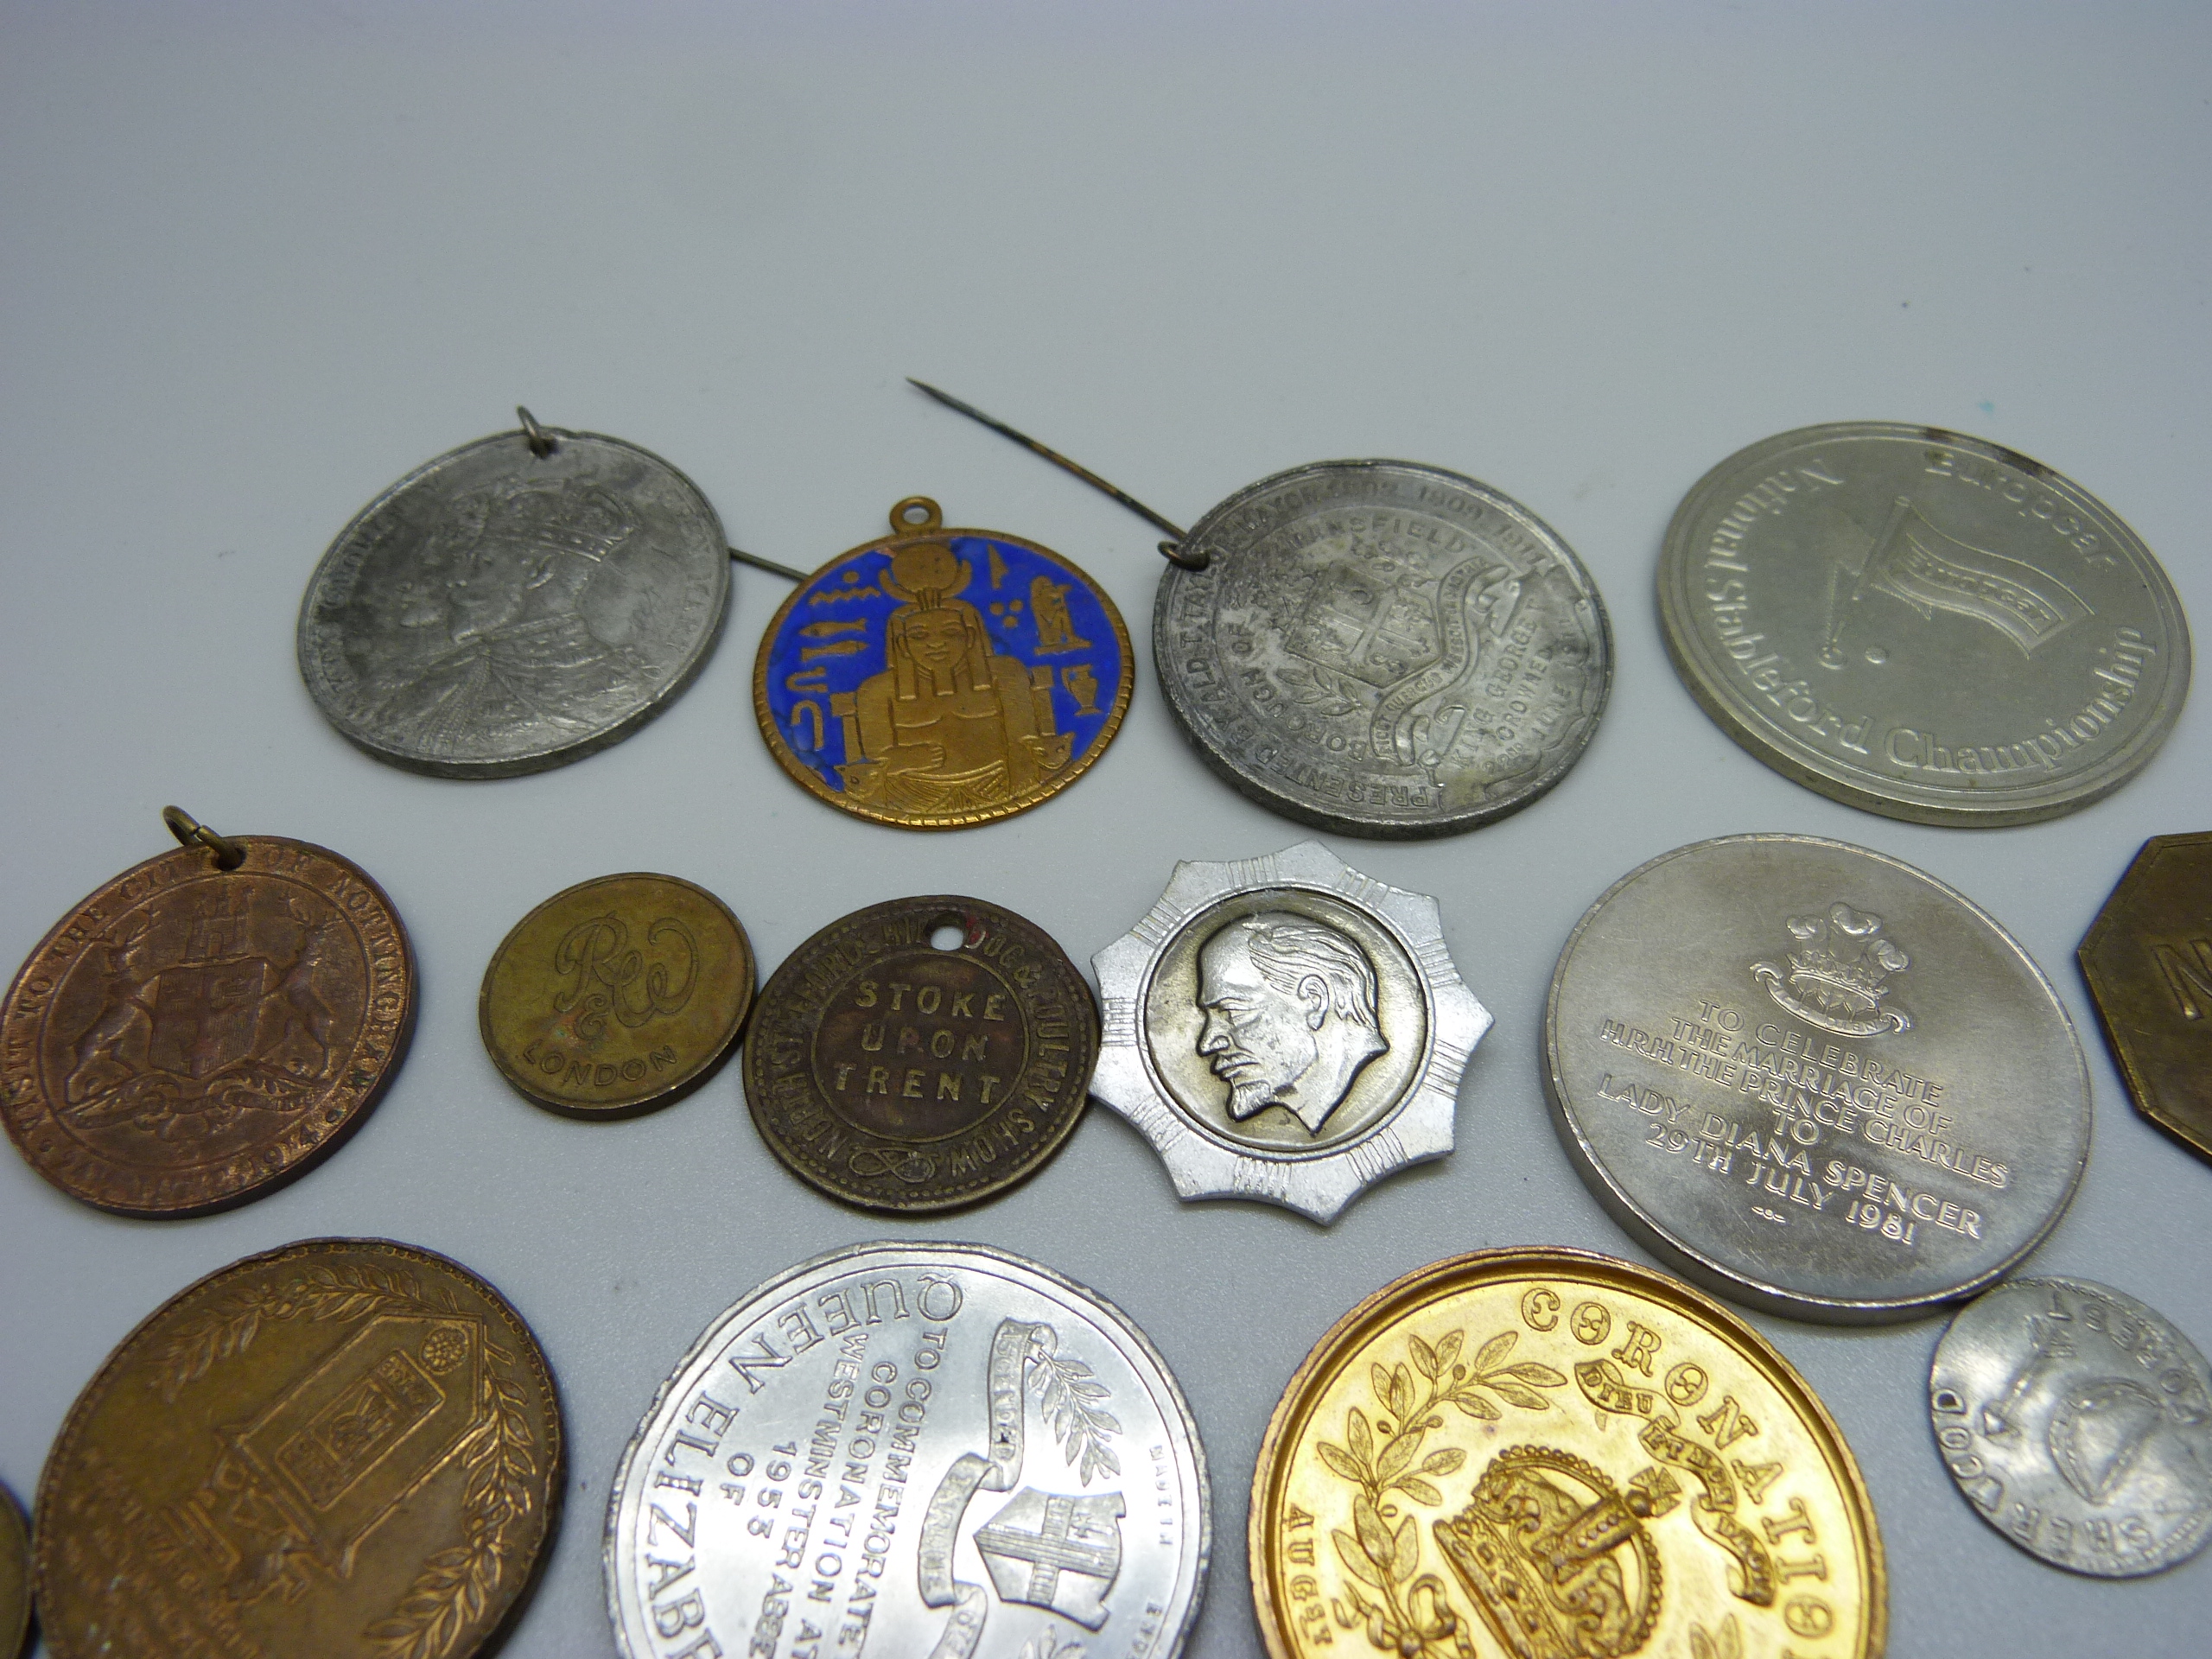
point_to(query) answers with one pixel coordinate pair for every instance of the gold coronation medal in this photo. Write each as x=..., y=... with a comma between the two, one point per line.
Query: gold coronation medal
x=1567, y=1457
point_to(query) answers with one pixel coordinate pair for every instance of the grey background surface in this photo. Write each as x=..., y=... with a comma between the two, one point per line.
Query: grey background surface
x=259, y=261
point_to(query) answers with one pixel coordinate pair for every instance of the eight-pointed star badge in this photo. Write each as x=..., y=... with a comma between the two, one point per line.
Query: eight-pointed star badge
x=1286, y=1029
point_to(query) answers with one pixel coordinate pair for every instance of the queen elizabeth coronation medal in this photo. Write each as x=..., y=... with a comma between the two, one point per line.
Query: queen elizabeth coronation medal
x=937, y=679
x=515, y=604
x=1374, y=647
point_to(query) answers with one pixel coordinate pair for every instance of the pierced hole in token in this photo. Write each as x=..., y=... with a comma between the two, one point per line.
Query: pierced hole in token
x=947, y=934
x=915, y=513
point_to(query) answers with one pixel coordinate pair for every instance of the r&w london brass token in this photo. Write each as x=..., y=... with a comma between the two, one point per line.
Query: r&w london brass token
x=617, y=995
x=1567, y=1456
x=344, y=1448
x=207, y=1026
x=921, y=1054
x=14, y=1577
x=1814, y=1079
x=920, y=1452
x=2078, y=1422
x=515, y=604
x=1922, y=624
x=2148, y=964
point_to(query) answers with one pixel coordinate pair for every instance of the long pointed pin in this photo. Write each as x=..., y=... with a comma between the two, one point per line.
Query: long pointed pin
x=1171, y=549
x=760, y=563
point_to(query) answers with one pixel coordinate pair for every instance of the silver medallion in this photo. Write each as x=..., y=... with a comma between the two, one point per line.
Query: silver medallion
x=1922, y=624
x=515, y=604
x=1814, y=1079
x=1286, y=1029
x=936, y=1449
x=2078, y=1422
x=1381, y=648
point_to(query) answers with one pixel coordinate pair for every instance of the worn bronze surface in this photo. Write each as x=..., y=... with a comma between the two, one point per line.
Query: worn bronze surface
x=1565, y=1457
x=2148, y=962
x=343, y=1447
x=190, y=1037
x=14, y=1576
x=897, y=1075
x=616, y=995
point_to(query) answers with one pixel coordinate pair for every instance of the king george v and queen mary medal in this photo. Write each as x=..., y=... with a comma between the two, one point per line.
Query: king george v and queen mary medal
x=1286, y=1029
x=935, y=1450
x=1814, y=1077
x=1922, y=624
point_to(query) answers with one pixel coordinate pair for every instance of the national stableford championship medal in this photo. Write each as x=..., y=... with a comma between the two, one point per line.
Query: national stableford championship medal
x=1558, y=1456
x=930, y=1451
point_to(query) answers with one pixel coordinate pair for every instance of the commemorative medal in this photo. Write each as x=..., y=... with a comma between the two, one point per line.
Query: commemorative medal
x=2078, y=1422
x=14, y=1577
x=515, y=604
x=2147, y=961
x=617, y=995
x=1922, y=624
x=1814, y=1079
x=1373, y=647
x=344, y=1447
x=1286, y=1029
x=937, y=679
x=1556, y=1455
x=207, y=1026
x=921, y=1054
x=1004, y=1469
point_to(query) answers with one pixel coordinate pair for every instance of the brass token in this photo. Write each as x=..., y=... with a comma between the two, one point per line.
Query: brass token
x=1567, y=1455
x=14, y=1576
x=921, y=1054
x=616, y=995
x=2148, y=962
x=207, y=1026
x=342, y=1447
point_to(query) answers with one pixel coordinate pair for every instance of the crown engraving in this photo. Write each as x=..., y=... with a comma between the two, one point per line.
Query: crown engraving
x=1838, y=974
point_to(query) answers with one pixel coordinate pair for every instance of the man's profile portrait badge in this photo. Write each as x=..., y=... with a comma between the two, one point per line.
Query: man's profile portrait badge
x=515, y=604
x=1286, y=1029
x=937, y=679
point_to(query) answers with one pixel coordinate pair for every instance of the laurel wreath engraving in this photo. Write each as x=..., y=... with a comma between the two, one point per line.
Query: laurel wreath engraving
x=1318, y=688
x=1067, y=1389
x=499, y=1459
x=1411, y=1614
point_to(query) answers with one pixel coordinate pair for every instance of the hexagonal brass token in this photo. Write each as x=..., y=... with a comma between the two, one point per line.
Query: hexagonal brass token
x=2148, y=962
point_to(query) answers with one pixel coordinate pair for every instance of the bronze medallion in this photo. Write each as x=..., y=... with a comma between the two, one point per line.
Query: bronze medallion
x=1565, y=1457
x=2148, y=962
x=617, y=995
x=207, y=1026
x=14, y=1576
x=342, y=1447
x=921, y=1054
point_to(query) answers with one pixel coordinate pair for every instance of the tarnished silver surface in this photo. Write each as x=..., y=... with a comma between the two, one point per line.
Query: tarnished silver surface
x=913, y=1450
x=500, y=611
x=1285, y=1028
x=1381, y=648
x=1922, y=624
x=1814, y=1079
x=2078, y=1422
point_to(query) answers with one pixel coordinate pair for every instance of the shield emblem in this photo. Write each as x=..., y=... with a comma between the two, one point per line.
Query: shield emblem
x=206, y=1013
x=1051, y=1550
x=1377, y=631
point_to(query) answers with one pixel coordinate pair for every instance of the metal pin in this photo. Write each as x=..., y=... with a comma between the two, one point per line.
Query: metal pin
x=1171, y=551
x=770, y=565
x=229, y=854
x=541, y=443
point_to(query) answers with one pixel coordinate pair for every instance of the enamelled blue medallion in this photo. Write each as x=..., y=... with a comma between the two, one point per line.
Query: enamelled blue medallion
x=940, y=678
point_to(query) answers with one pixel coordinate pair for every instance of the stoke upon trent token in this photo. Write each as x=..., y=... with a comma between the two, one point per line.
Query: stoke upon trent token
x=913, y=1450
x=1814, y=1079
x=2148, y=962
x=1557, y=1455
x=1286, y=1029
x=938, y=678
x=1922, y=624
x=617, y=995
x=2078, y=1422
x=14, y=1576
x=1381, y=649
x=206, y=1026
x=921, y=1054
x=515, y=604
x=344, y=1447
